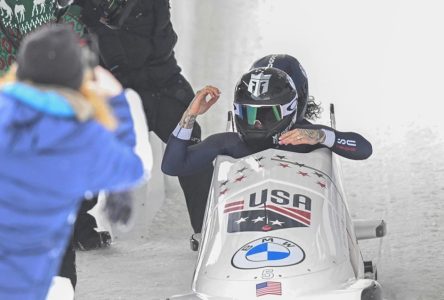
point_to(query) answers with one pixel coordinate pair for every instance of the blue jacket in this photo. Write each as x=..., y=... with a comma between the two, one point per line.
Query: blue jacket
x=48, y=161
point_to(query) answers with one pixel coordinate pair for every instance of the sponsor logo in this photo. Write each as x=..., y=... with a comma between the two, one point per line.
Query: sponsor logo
x=271, y=210
x=268, y=288
x=271, y=61
x=289, y=107
x=268, y=252
x=258, y=84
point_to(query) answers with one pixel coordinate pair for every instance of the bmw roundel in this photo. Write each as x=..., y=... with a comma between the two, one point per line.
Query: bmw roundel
x=268, y=252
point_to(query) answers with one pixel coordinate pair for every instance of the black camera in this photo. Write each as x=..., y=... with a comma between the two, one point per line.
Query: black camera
x=114, y=12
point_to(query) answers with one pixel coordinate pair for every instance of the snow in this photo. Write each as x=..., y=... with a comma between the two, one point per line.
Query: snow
x=381, y=64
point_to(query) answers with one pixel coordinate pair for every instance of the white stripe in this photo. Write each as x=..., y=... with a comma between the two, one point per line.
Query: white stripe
x=182, y=133
x=330, y=137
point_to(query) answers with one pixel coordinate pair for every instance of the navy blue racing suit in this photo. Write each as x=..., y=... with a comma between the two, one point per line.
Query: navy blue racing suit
x=184, y=158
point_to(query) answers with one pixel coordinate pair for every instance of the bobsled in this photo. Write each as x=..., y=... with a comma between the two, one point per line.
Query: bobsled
x=277, y=226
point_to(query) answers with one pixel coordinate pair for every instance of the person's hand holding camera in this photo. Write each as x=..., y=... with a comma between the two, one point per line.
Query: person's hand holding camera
x=107, y=82
x=104, y=83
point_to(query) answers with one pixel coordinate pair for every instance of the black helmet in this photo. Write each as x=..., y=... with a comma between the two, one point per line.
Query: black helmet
x=265, y=105
x=293, y=68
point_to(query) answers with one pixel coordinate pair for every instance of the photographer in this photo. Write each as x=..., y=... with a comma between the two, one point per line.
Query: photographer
x=65, y=131
x=20, y=18
x=136, y=41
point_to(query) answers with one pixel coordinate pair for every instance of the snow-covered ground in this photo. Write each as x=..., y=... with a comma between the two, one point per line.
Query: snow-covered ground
x=381, y=63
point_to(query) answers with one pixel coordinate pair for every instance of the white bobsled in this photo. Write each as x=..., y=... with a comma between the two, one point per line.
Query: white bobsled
x=277, y=226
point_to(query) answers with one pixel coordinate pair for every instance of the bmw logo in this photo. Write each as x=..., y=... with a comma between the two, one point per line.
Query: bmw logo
x=268, y=252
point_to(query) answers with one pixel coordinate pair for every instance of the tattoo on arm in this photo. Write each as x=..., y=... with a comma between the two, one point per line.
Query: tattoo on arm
x=187, y=120
x=317, y=135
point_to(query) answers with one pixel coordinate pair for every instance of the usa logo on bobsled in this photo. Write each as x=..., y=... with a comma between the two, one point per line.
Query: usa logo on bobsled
x=277, y=226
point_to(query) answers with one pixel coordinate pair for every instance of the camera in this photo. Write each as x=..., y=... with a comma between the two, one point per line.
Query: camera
x=114, y=12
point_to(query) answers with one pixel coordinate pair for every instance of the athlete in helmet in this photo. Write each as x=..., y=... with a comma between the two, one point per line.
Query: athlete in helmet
x=270, y=106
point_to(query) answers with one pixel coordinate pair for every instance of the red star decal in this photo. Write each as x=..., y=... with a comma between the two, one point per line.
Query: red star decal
x=322, y=184
x=302, y=173
x=223, y=192
x=239, y=179
x=284, y=165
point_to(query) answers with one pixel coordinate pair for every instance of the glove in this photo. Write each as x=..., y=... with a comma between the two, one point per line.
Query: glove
x=119, y=207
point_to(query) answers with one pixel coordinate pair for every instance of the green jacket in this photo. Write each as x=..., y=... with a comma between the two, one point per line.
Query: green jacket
x=19, y=17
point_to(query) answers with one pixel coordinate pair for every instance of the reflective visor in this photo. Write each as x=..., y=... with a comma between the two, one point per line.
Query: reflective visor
x=263, y=116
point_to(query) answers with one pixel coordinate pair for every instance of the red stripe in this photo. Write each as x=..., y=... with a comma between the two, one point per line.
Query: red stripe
x=306, y=214
x=290, y=214
x=234, y=203
x=307, y=220
x=234, y=208
x=346, y=148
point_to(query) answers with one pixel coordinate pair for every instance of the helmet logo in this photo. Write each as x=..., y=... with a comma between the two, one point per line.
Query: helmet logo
x=258, y=84
x=271, y=61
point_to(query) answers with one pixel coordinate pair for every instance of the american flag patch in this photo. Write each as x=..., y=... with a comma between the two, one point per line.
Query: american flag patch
x=268, y=288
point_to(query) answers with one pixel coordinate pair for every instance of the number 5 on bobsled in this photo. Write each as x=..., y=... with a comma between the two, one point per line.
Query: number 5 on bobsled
x=277, y=226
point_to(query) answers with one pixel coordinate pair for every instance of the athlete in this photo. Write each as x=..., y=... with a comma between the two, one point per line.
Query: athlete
x=271, y=108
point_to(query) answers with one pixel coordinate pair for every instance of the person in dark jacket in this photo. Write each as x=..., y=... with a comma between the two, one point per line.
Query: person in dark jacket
x=60, y=139
x=141, y=55
x=271, y=104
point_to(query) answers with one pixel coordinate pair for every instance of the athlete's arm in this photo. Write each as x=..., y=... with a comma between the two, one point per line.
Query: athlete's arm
x=183, y=158
x=347, y=144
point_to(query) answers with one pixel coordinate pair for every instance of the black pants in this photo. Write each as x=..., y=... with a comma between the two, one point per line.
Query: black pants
x=164, y=108
x=84, y=228
x=68, y=267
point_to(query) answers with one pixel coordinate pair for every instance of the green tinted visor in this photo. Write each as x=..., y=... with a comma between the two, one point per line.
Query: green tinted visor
x=263, y=116
x=273, y=113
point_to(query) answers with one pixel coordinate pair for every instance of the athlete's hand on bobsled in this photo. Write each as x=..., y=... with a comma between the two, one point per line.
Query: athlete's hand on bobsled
x=119, y=207
x=301, y=136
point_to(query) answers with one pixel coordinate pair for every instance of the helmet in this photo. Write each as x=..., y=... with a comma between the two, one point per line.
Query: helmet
x=293, y=68
x=265, y=105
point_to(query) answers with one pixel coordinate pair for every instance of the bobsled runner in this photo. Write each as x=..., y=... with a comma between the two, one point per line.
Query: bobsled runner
x=277, y=226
